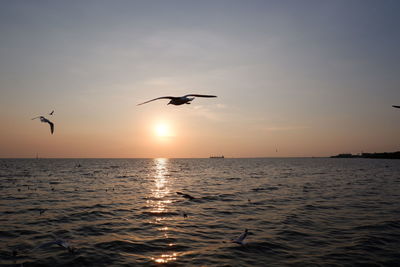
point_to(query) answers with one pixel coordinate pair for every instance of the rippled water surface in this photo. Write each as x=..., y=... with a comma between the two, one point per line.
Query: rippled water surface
x=125, y=212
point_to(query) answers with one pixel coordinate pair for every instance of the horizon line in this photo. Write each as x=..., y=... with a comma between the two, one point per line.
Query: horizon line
x=262, y=157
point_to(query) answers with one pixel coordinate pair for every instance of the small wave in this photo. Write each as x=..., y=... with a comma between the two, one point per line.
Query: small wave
x=389, y=225
x=95, y=230
x=8, y=234
x=125, y=176
x=233, y=179
x=127, y=246
x=160, y=213
x=269, y=188
x=114, y=166
x=321, y=207
x=292, y=234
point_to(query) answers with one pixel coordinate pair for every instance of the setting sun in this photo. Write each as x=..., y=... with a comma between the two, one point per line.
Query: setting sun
x=162, y=130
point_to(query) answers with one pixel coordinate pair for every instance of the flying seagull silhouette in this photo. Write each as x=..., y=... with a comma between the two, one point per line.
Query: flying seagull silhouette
x=43, y=119
x=179, y=100
x=396, y=106
x=240, y=239
x=52, y=112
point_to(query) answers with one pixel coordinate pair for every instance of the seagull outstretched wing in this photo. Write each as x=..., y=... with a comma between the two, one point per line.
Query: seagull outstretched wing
x=195, y=95
x=162, y=97
x=43, y=119
x=396, y=106
x=51, y=127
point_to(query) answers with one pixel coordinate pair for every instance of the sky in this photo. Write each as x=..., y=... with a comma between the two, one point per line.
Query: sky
x=293, y=78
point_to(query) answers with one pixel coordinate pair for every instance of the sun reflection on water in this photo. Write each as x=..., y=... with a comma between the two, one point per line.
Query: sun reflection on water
x=157, y=202
x=164, y=258
x=159, y=205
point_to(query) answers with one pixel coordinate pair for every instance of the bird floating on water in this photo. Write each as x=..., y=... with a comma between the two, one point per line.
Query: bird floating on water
x=60, y=242
x=185, y=195
x=43, y=119
x=396, y=106
x=240, y=239
x=179, y=100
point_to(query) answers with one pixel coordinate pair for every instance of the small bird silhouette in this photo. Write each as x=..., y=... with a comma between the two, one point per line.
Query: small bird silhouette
x=240, y=239
x=185, y=195
x=60, y=242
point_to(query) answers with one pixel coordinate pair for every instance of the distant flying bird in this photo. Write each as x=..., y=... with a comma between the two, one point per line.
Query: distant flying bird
x=178, y=100
x=240, y=239
x=396, y=106
x=43, y=119
x=51, y=113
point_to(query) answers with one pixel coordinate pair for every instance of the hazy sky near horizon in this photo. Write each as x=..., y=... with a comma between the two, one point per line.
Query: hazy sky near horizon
x=304, y=78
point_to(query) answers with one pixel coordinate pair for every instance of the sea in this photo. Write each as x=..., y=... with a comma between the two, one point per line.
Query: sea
x=127, y=212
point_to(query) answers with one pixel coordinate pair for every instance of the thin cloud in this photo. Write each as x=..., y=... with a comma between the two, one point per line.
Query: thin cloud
x=205, y=112
x=221, y=106
x=284, y=128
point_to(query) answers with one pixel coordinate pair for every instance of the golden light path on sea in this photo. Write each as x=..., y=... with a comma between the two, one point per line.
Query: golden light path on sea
x=159, y=205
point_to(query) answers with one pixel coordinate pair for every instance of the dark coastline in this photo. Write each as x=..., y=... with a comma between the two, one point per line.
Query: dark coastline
x=384, y=155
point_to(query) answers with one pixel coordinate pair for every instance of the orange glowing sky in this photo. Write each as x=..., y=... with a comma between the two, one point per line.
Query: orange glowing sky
x=314, y=79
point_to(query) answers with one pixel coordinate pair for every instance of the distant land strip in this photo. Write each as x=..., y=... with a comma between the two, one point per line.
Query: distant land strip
x=384, y=155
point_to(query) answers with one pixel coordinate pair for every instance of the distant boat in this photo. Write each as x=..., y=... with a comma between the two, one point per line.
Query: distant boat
x=217, y=157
